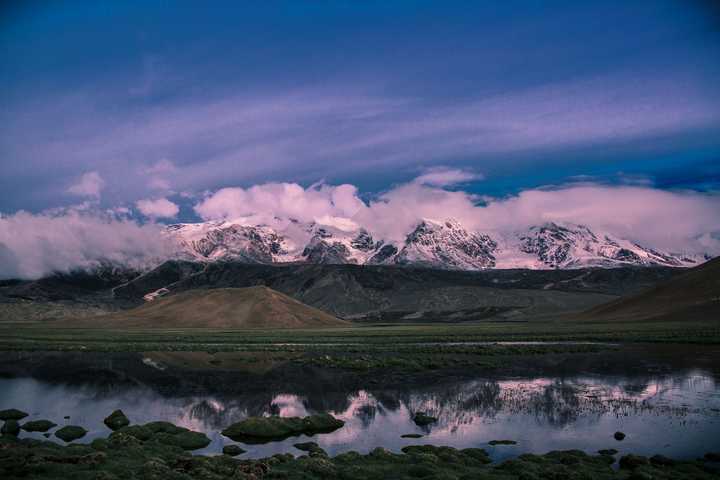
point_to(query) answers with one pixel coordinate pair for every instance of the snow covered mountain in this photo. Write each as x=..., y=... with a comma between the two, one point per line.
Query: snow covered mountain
x=576, y=246
x=437, y=244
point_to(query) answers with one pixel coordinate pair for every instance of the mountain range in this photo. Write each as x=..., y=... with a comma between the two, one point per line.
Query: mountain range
x=443, y=244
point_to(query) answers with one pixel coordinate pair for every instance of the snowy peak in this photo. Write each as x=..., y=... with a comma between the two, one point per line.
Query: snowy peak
x=228, y=241
x=447, y=245
x=443, y=244
x=574, y=246
x=334, y=246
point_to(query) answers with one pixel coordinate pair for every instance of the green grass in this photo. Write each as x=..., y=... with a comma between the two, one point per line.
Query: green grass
x=40, y=336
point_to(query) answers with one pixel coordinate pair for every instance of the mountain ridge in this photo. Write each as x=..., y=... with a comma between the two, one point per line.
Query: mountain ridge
x=443, y=244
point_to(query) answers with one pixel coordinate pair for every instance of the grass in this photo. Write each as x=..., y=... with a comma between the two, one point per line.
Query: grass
x=37, y=336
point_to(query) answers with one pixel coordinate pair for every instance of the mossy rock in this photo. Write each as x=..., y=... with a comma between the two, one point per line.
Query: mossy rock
x=310, y=447
x=608, y=451
x=233, y=450
x=712, y=456
x=70, y=433
x=12, y=414
x=38, y=426
x=264, y=429
x=662, y=461
x=165, y=427
x=116, y=420
x=619, y=436
x=633, y=461
x=141, y=432
x=10, y=427
x=187, y=440
x=502, y=442
x=421, y=419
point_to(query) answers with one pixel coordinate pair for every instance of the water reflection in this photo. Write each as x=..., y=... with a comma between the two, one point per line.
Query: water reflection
x=676, y=415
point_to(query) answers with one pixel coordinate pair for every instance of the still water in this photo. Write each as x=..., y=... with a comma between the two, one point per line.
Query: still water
x=673, y=413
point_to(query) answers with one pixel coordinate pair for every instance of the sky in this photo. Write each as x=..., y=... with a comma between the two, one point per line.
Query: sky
x=150, y=112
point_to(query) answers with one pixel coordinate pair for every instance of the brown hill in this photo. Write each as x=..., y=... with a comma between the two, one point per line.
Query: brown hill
x=694, y=295
x=224, y=308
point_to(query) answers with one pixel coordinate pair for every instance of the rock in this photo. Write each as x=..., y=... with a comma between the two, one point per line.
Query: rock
x=70, y=433
x=187, y=440
x=619, y=436
x=502, y=442
x=165, y=427
x=264, y=429
x=12, y=414
x=10, y=427
x=141, y=432
x=120, y=439
x=116, y=420
x=712, y=456
x=233, y=450
x=310, y=447
x=38, y=426
x=411, y=435
x=632, y=461
x=608, y=451
x=421, y=419
x=662, y=460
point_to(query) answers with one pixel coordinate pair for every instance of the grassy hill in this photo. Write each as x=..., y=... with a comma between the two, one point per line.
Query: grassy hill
x=694, y=295
x=222, y=308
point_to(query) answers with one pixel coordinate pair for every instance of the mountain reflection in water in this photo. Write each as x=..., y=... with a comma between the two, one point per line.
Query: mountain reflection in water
x=674, y=414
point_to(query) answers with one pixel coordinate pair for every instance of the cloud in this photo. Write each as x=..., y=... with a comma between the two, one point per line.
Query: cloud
x=445, y=177
x=89, y=185
x=261, y=203
x=157, y=208
x=223, y=140
x=677, y=221
x=34, y=245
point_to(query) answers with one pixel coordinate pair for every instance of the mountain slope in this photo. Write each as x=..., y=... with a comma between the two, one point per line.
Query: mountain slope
x=253, y=307
x=695, y=295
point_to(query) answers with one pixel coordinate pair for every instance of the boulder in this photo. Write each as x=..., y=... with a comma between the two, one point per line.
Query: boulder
x=421, y=419
x=265, y=429
x=70, y=433
x=38, y=426
x=233, y=450
x=10, y=427
x=502, y=442
x=116, y=420
x=12, y=414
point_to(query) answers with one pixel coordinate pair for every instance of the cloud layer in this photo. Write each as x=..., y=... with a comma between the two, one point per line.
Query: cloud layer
x=678, y=221
x=33, y=245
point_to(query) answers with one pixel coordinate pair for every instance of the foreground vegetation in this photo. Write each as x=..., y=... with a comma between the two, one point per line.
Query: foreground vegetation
x=152, y=453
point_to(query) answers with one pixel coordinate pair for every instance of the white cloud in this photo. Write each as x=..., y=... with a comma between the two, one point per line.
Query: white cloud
x=89, y=185
x=34, y=245
x=678, y=221
x=445, y=177
x=157, y=208
x=261, y=203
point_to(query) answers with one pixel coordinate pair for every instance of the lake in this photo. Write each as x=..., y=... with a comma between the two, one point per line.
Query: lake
x=662, y=408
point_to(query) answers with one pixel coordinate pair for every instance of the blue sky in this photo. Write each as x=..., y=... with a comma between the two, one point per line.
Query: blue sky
x=164, y=99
